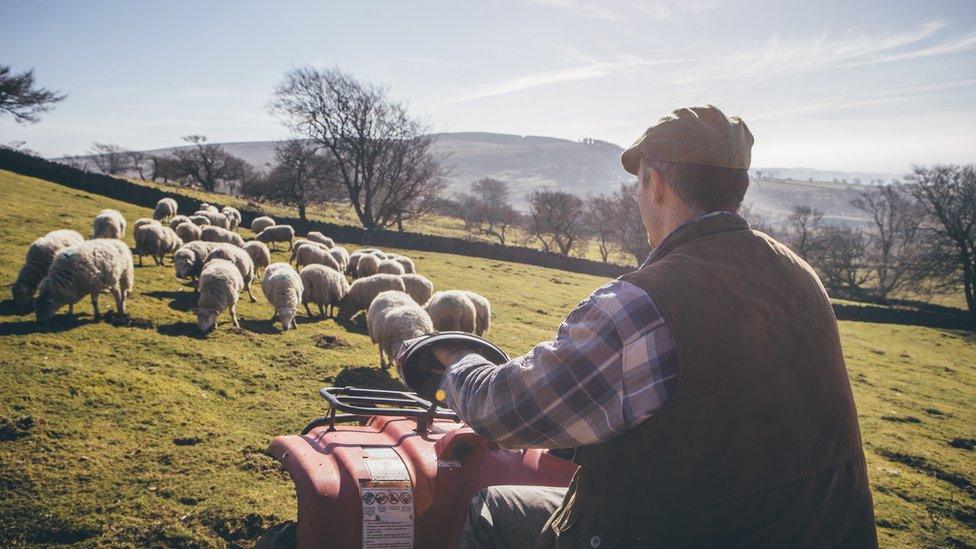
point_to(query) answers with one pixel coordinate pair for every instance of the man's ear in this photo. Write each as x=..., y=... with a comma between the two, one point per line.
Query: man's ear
x=657, y=188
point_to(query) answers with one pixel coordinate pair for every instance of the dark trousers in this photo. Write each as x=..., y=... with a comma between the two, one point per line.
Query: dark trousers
x=509, y=516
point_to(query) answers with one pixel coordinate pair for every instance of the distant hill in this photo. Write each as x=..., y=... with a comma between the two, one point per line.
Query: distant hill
x=593, y=167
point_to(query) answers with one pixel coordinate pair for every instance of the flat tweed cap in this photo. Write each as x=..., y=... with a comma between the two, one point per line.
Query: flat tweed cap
x=694, y=135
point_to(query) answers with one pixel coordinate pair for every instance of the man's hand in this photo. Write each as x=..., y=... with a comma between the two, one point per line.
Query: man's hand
x=449, y=353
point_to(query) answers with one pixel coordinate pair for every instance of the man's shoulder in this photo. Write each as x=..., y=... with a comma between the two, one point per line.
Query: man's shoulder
x=628, y=306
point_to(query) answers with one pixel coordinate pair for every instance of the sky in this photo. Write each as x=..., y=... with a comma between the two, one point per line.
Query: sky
x=874, y=85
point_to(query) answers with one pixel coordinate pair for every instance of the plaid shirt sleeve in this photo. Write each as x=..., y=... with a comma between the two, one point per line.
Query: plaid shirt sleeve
x=611, y=365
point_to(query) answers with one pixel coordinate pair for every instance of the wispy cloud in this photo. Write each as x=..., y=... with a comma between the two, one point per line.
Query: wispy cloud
x=621, y=10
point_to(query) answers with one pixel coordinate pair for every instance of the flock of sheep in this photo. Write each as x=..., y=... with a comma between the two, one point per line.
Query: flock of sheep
x=62, y=268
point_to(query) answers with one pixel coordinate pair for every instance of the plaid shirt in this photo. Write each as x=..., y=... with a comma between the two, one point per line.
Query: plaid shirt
x=611, y=365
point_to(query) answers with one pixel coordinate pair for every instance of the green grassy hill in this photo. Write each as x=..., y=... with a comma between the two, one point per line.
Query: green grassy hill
x=148, y=434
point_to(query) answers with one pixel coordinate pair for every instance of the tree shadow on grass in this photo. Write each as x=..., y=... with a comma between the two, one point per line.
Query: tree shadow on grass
x=179, y=300
x=176, y=329
x=60, y=323
x=367, y=377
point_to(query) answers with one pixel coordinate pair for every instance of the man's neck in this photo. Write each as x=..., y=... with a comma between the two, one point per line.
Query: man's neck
x=676, y=219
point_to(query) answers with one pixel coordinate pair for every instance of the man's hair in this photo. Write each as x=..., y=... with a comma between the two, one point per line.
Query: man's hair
x=711, y=188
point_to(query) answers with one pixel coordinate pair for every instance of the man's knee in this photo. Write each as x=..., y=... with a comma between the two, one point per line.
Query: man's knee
x=501, y=516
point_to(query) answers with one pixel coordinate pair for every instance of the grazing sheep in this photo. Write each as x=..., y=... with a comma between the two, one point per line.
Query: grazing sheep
x=142, y=221
x=367, y=265
x=188, y=260
x=352, y=264
x=277, y=233
x=341, y=255
x=259, y=253
x=88, y=268
x=297, y=245
x=165, y=209
x=315, y=254
x=205, y=207
x=177, y=219
x=200, y=220
x=324, y=286
x=219, y=288
x=418, y=286
x=108, y=224
x=233, y=215
x=372, y=251
x=316, y=236
x=363, y=291
x=215, y=218
x=188, y=231
x=408, y=266
x=218, y=234
x=391, y=317
x=240, y=259
x=482, y=309
x=389, y=266
x=283, y=288
x=451, y=310
x=155, y=240
x=39, y=257
x=261, y=223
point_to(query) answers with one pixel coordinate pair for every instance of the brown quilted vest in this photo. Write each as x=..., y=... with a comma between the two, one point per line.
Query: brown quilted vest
x=758, y=446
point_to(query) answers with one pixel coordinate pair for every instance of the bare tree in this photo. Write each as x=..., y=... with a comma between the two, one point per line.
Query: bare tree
x=488, y=210
x=164, y=168
x=384, y=157
x=20, y=98
x=208, y=165
x=803, y=226
x=137, y=163
x=601, y=217
x=630, y=233
x=557, y=220
x=109, y=158
x=948, y=194
x=301, y=177
x=837, y=256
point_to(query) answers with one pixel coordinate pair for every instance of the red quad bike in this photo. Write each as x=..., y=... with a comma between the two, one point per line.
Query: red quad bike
x=391, y=469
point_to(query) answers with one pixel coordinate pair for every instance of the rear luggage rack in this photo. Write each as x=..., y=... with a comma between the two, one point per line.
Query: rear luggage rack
x=359, y=404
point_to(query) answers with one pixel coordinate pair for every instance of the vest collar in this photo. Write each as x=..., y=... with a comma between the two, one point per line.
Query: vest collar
x=710, y=223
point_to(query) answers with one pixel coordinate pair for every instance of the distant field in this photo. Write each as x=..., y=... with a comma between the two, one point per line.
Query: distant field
x=152, y=435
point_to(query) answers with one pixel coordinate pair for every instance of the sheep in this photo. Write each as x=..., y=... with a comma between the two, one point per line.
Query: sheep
x=240, y=259
x=140, y=229
x=177, y=219
x=352, y=263
x=389, y=266
x=316, y=236
x=165, y=209
x=277, y=233
x=451, y=310
x=323, y=286
x=205, y=207
x=233, y=216
x=315, y=254
x=215, y=218
x=418, y=286
x=362, y=292
x=219, y=288
x=140, y=222
x=188, y=231
x=188, y=260
x=297, y=245
x=40, y=254
x=393, y=317
x=88, y=268
x=407, y=263
x=261, y=223
x=218, y=234
x=200, y=220
x=283, y=288
x=108, y=224
x=341, y=255
x=482, y=308
x=259, y=253
x=155, y=240
x=367, y=265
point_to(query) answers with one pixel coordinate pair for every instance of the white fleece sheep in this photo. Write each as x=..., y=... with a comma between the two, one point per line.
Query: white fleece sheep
x=207, y=207
x=277, y=233
x=482, y=309
x=40, y=254
x=260, y=254
x=108, y=224
x=219, y=287
x=219, y=234
x=140, y=222
x=155, y=240
x=216, y=218
x=367, y=265
x=451, y=310
x=324, y=286
x=177, y=219
x=240, y=259
x=188, y=231
x=261, y=223
x=165, y=209
x=297, y=245
x=200, y=220
x=352, y=264
x=418, y=286
x=188, y=260
x=84, y=269
x=408, y=266
x=233, y=215
x=393, y=317
x=316, y=236
x=341, y=255
x=283, y=288
x=364, y=290
x=389, y=266
x=315, y=254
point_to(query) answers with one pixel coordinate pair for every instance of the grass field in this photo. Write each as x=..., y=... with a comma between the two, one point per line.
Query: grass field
x=150, y=435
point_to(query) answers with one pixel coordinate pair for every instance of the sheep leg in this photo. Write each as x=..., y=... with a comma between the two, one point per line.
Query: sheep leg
x=253, y=299
x=233, y=315
x=94, y=299
x=140, y=260
x=294, y=323
x=321, y=312
x=119, y=296
x=71, y=309
x=289, y=246
x=382, y=364
x=307, y=310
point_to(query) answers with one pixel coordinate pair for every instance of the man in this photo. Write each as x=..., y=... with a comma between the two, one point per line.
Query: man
x=705, y=393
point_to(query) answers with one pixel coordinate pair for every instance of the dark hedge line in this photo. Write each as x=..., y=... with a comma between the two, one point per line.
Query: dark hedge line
x=888, y=315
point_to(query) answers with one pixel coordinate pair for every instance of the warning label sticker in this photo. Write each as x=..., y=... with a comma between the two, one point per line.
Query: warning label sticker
x=387, y=517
